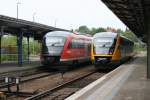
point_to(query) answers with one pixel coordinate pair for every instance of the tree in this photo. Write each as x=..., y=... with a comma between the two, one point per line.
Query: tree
x=83, y=29
x=97, y=30
x=120, y=31
x=131, y=36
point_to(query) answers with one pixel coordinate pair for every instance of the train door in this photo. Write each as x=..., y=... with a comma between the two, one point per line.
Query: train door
x=86, y=49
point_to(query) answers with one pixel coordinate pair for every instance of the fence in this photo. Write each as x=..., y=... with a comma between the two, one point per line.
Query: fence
x=9, y=54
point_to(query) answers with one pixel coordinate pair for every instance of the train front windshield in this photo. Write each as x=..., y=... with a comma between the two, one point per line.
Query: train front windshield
x=55, y=41
x=103, y=45
x=54, y=45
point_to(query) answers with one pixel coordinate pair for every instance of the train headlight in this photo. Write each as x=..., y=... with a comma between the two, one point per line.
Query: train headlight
x=68, y=51
x=110, y=52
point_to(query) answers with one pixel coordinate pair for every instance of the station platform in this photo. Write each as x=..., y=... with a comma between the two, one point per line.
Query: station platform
x=127, y=82
x=13, y=67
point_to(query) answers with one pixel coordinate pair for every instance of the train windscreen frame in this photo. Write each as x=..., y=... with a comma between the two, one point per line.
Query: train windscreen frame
x=53, y=45
x=55, y=41
x=103, y=45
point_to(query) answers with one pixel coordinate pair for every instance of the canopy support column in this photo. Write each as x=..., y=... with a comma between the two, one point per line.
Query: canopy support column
x=1, y=34
x=0, y=47
x=148, y=50
x=28, y=48
x=19, y=43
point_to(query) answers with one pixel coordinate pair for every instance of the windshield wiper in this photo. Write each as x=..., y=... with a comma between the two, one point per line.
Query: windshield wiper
x=104, y=45
x=53, y=44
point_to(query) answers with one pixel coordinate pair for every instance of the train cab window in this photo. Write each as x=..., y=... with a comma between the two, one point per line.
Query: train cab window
x=103, y=42
x=104, y=45
x=72, y=44
x=80, y=43
x=114, y=43
x=55, y=41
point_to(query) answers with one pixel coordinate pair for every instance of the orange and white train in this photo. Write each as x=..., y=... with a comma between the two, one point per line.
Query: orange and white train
x=65, y=48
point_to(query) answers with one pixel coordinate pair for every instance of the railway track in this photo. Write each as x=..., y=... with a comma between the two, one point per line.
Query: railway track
x=29, y=78
x=20, y=73
x=54, y=86
x=26, y=75
x=64, y=90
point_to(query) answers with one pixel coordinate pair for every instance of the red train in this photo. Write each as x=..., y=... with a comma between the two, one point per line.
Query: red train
x=62, y=47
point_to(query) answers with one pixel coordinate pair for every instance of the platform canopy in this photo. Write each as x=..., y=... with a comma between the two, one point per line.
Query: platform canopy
x=133, y=13
x=15, y=26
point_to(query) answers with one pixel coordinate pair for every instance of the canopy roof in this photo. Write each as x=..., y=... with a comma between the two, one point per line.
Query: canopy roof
x=133, y=13
x=15, y=26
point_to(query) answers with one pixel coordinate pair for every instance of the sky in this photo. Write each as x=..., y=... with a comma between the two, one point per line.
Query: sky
x=66, y=14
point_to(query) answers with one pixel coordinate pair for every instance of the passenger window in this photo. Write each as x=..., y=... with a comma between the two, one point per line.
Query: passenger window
x=70, y=45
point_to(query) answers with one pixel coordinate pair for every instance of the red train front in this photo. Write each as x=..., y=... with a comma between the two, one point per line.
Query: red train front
x=61, y=47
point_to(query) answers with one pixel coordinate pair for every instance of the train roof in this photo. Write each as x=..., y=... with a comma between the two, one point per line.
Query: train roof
x=105, y=34
x=126, y=38
x=110, y=34
x=58, y=33
x=85, y=34
x=66, y=33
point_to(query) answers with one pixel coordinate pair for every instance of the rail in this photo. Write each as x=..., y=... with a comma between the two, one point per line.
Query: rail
x=49, y=91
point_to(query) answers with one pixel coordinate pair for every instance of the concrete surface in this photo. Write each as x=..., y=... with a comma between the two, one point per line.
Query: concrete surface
x=127, y=82
x=10, y=67
x=137, y=86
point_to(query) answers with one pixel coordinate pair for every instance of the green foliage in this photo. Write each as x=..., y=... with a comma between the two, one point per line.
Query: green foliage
x=131, y=36
x=10, y=43
x=35, y=47
x=139, y=47
x=120, y=31
x=83, y=29
x=97, y=30
x=8, y=40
